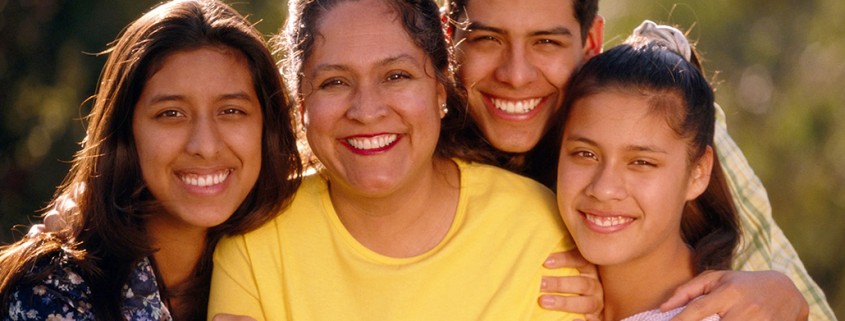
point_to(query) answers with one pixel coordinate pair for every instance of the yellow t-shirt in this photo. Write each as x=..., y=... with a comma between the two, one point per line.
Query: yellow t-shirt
x=305, y=265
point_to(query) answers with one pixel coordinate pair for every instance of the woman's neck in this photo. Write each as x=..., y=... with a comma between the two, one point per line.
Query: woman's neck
x=408, y=222
x=645, y=283
x=179, y=248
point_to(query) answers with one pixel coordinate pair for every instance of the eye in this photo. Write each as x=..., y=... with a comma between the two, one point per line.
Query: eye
x=546, y=41
x=643, y=163
x=232, y=111
x=482, y=38
x=170, y=113
x=398, y=75
x=333, y=82
x=585, y=155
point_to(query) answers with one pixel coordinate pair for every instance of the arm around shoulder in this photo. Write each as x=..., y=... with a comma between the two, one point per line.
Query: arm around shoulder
x=764, y=246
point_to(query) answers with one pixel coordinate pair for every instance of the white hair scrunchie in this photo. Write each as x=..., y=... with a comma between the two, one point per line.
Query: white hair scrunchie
x=669, y=37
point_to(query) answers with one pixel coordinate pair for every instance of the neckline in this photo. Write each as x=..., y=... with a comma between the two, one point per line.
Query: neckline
x=373, y=256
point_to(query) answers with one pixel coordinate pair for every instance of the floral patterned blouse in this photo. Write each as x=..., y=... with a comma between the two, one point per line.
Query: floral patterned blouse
x=63, y=296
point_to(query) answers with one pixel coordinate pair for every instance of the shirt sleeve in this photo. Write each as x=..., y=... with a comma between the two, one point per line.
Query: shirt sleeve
x=62, y=295
x=234, y=289
x=763, y=245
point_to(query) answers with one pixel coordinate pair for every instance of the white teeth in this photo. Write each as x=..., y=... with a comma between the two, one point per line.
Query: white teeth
x=372, y=142
x=605, y=221
x=204, y=180
x=516, y=107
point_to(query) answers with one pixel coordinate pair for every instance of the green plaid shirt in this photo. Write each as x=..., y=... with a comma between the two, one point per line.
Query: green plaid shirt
x=763, y=245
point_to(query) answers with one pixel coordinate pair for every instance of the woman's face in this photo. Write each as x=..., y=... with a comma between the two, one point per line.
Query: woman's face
x=197, y=128
x=371, y=102
x=624, y=178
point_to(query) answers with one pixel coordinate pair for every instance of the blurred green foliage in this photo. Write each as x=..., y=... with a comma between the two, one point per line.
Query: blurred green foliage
x=777, y=66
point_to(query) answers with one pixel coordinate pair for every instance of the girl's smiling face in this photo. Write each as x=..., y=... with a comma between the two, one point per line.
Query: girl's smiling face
x=197, y=128
x=624, y=178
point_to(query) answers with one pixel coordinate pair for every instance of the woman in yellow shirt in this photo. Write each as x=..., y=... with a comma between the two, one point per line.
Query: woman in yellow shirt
x=397, y=224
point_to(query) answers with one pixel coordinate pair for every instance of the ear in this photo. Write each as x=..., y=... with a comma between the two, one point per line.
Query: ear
x=700, y=174
x=595, y=38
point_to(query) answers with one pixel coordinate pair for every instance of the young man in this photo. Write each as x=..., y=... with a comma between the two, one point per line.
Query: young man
x=515, y=59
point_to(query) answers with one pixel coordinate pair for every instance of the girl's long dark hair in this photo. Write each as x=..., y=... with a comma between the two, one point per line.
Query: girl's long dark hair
x=677, y=90
x=106, y=237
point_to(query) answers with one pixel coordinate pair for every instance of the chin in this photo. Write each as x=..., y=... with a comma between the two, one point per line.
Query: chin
x=514, y=147
x=603, y=257
x=210, y=217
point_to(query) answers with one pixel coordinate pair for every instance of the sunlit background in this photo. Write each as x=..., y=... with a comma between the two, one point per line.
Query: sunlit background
x=777, y=65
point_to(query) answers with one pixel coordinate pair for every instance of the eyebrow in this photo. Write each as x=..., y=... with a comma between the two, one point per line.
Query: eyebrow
x=328, y=67
x=632, y=148
x=384, y=62
x=229, y=96
x=398, y=59
x=556, y=31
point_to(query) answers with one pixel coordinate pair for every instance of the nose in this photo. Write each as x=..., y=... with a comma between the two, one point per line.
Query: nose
x=608, y=184
x=516, y=68
x=204, y=139
x=368, y=104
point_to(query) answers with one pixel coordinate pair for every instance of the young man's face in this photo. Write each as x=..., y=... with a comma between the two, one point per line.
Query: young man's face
x=515, y=60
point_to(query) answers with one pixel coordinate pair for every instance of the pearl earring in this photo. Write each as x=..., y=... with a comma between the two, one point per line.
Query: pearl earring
x=444, y=109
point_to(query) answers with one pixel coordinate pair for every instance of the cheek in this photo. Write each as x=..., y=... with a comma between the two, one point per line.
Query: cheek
x=152, y=147
x=253, y=164
x=661, y=196
x=314, y=121
x=155, y=157
x=558, y=74
x=569, y=182
x=257, y=146
x=558, y=69
x=428, y=115
x=317, y=133
x=319, y=113
x=475, y=67
x=246, y=140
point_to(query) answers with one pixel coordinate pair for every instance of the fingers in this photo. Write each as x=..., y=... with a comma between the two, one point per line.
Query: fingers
x=35, y=230
x=700, y=285
x=743, y=295
x=699, y=310
x=64, y=206
x=709, y=305
x=53, y=222
x=66, y=203
x=571, y=259
x=587, y=297
x=578, y=285
x=576, y=304
x=586, y=291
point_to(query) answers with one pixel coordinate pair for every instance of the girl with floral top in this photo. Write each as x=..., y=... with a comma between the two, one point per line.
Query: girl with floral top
x=190, y=138
x=638, y=185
